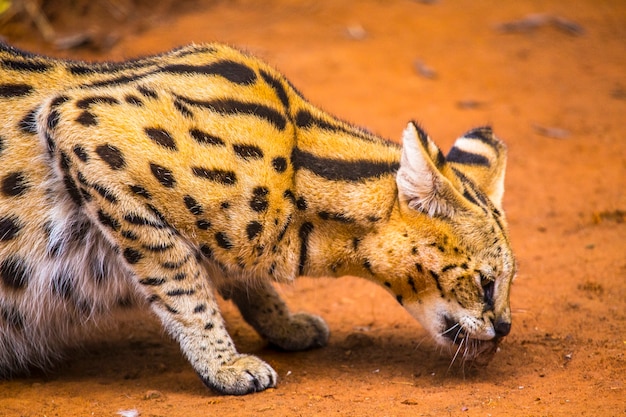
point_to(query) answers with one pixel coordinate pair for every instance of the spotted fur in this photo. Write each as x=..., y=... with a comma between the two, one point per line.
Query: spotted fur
x=156, y=182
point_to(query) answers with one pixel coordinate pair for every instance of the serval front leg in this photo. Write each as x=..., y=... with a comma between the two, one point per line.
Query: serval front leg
x=170, y=274
x=263, y=309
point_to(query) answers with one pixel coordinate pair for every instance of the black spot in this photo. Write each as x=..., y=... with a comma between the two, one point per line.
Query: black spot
x=81, y=153
x=205, y=138
x=130, y=235
x=278, y=88
x=399, y=299
x=31, y=66
x=235, y=107
x=259, y=201
x=87, y=119
x=134, y=100
x=13, y=317
x=411, y=282
x=279, y=164
x=57, y=101
x=161, y=137
x=132, y=256
x=108, y=221
x=289, y=195
x=206, y=251
x=72, y=190
x=253, y=229
x=301, y=204
x=163, y=175
x=62, y=286
x=182, y=109
x=419, y=268
x=140, y=191
x=448, y=267
x=215, y=175
x=233, y=71
x=387, y=284
x=208, y=326
x=368, y=266
x=180, y=276
x=304, y=233
x=13, y=273
x=14, y=184
x=203, y=224
x=193, y=206
x=147, y=92
x=340, y=170
x=15, y=90
x=152, y=281
x=224, y=205
x=28, y=124
x=53, y=119
x=85, y=103
x=223, y=241
x=248, y=151
x=200, y=308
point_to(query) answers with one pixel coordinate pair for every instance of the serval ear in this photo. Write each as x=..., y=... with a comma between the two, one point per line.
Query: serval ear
x=421, y=183
x=481, y=157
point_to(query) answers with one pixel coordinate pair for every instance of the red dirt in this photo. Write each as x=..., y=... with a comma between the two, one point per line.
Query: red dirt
x=554, y=93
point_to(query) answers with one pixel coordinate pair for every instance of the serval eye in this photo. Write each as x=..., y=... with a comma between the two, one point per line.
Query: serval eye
x=488, y=286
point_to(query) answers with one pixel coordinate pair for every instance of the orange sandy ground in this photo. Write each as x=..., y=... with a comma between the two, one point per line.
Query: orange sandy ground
x=557, y=99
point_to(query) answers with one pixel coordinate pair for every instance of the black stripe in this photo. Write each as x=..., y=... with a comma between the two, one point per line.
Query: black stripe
x=29, y=123
x=233, y=71
x=304, y=233
x=339, y=170
x=248, y=151
x=205, y=138
x=15, y=90
x=338, y=217
x=422, y=135
x=86, y=102
x=104, y=192
x=216, y=175
x=483, y=134
x=32, y=66
x=305, y=120
x=142, y=221
x=236, y=107
x=152, y=281
x=278, y=88
x=468, y=158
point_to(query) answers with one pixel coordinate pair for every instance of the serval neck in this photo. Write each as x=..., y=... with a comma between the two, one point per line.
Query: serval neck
x=345, y=186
